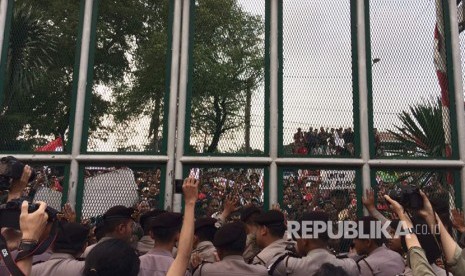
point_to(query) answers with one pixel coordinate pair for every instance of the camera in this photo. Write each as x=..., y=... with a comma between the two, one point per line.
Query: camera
x=11, y=169
x=9, y=213
x=408, y=196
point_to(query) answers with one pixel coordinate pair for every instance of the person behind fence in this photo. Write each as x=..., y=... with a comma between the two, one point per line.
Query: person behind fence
x=270, y=239
x=230, y=243
x=70, y=243
x=117, y=223
x=314, y=252
x=146, y=242
x=165, y=230
x=376, y=258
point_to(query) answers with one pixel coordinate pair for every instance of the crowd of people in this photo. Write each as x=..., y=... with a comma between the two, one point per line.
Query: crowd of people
x=237, y=237
x=326, y=141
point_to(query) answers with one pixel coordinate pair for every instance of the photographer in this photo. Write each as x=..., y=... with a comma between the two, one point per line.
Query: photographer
x=416, y=255
x=31, y=220
x=32, y=226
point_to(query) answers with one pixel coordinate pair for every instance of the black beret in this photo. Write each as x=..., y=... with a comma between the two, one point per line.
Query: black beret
x=230, y=233
x=314, y=216
x=247, y=212
x=204, y=222
x=118, y=212
x=71, y=233
x=272, y=217
x=167, y=220
x=146, y=218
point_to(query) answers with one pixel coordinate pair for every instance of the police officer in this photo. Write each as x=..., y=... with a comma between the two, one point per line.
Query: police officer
x=248, y=215
x=271, y=229
x=314, y=250
x=165, y=230
x=378, y=259
x=204, y=233
x=230, y=243
x=70, y=243
x=146, y=242
x=117, y=224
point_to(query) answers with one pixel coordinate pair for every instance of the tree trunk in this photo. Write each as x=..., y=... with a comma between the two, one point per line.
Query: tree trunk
x=248, y=107
x=156, y=123
x=220, y=119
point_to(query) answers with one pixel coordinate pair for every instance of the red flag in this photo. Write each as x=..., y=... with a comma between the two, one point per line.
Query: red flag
x=55, y=145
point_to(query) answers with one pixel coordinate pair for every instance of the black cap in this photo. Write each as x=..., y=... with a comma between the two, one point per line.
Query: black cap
x=230, y=233
x=167, y=220
x=118, y=212
x=314, y=216
x=71, y=233
x=247, y=212
x=272, y=217
x=204, y=222
x=146, y=218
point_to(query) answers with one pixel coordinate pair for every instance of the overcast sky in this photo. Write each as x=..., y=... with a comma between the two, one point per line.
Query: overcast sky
x=317, y=61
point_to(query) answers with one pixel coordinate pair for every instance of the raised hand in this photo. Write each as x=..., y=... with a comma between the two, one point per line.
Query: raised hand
x=458, y=220
x=369, y=199
x=190, y=189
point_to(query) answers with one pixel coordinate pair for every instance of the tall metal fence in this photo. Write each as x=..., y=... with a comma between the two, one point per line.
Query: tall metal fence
x=302, y=103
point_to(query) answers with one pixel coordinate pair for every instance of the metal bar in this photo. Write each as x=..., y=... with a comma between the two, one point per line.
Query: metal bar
x=225, y=160
x=80, y=102
x=122, y=158
x=92, y=158
x=6, y=16
x=274, y=109
x=3, y=16
x=320, y=162
x=458, y=93
x=415, y=163
x=173, y=103
x=363, y=95
x=183, y=78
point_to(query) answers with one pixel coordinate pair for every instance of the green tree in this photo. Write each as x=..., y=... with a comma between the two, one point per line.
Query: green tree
x=43, y=55
x=421, y=135
x=228, y=66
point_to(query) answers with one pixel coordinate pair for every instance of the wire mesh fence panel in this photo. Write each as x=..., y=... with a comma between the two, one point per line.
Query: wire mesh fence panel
x=36, y=89
x=328, y=190
x=410, y=83
x=226, y=110
x=130, y=77
x=245, y=187
x=404, y=186
x=47, y=183
x=461, y=20
x=105, y=187
x=317, y=79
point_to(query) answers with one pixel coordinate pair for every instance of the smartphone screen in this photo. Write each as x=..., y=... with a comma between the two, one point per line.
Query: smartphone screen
x=195, y=173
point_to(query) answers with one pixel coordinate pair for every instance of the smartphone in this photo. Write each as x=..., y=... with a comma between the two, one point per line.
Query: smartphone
x=195, y=173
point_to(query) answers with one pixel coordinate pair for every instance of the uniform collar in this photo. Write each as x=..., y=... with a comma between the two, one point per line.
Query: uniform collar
x=204, y=244
x=62, y=256
x=233, y=257
x=318, y=251
x=157, y=251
